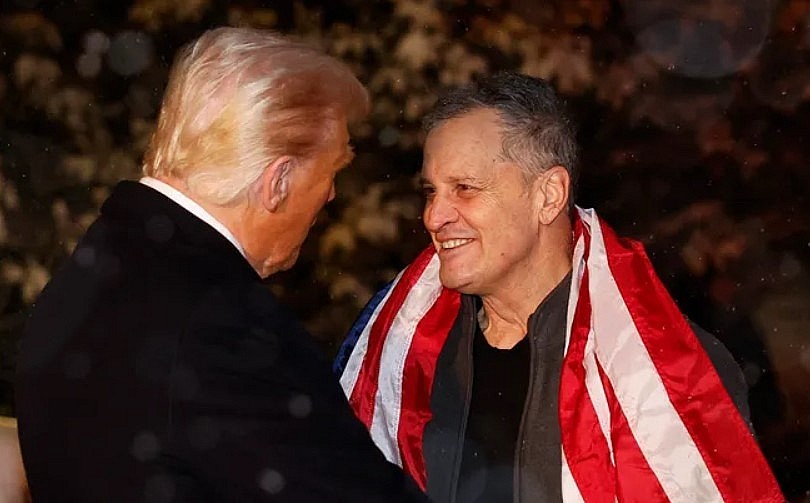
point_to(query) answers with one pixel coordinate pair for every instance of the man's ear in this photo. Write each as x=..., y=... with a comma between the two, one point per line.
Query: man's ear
x=553, y=188
x=274, y=184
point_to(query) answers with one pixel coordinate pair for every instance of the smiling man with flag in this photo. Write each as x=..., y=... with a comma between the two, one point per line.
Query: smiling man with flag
x=530, y=354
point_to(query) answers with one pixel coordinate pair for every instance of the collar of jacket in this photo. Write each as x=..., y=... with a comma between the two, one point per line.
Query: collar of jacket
x=165, y=223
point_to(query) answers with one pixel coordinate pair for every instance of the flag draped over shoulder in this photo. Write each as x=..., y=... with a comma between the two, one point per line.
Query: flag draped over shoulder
x=643, y=413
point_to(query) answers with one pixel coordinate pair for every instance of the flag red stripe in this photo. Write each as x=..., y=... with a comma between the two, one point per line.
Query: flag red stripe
x=635, y=480
x=365, y=390
x=584, y=445
x=417, y=381
x=727, y=446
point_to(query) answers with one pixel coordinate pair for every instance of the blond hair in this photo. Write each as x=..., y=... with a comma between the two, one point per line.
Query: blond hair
x=239, y=98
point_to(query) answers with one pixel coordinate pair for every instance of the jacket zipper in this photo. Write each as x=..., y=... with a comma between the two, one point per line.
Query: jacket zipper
x=469, y=328
x=516, y=495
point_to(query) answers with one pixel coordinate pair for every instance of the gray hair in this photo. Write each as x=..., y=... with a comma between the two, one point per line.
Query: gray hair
x=537, y=132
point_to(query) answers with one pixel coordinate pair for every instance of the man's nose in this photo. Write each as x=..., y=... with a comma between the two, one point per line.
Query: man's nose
x=438, y=212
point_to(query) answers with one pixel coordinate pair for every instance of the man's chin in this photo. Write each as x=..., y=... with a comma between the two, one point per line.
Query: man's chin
x=290, y=262
x=271, y=267
x=460, y=284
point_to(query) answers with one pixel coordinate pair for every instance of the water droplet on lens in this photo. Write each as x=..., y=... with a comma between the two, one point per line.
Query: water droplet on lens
x=388, y=136
x=159, y=228
x=271, y=481
x=85, y=256
x=752, y=373
x=145, y=446
x=96, y=42
x=88, y=65
x=300, y=406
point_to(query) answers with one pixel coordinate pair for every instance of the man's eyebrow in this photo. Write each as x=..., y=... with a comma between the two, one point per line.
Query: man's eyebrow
x=453, y=179
x=347, y=156
x=463, y=179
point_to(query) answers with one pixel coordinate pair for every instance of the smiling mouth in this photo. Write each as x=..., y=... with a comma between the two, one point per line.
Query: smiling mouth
x=453, y=243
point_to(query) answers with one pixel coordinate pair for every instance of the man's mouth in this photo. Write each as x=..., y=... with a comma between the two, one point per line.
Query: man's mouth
x=453, y=243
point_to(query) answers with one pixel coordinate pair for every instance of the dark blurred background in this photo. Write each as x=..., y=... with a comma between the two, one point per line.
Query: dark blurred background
x=694, y=121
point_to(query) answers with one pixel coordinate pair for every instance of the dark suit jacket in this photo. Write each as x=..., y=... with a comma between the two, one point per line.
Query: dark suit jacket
x=156, y=367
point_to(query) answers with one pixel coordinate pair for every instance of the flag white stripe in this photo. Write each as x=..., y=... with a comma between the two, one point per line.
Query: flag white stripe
x=355, y=363
x=661, y=435
x=596, y=392
x=593, y=382
x=576, y=283
x=570, y=491
x=388, y=401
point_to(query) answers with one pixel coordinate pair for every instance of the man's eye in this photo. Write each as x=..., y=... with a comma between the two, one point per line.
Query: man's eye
x=463, y=187
x=428, y=192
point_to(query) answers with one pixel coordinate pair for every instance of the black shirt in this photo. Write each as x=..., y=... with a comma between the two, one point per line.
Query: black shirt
x=500, y=384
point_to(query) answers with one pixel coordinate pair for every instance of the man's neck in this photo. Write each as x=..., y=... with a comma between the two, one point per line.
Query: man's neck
x=507, y=310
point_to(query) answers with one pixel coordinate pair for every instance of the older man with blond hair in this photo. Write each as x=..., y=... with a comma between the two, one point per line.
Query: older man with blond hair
x=155, y=365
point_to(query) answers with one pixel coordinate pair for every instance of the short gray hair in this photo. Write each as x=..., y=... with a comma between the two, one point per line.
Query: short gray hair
x=537, y=132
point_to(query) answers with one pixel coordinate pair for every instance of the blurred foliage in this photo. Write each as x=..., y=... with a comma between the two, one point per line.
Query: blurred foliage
x=693, y=114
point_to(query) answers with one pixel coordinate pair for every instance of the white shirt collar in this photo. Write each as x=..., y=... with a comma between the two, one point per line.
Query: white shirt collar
x=194, y=208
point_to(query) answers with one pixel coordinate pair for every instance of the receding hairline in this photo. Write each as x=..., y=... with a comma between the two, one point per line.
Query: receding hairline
x=536, y=129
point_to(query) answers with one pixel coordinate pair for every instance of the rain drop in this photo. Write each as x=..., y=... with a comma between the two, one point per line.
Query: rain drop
x=145, y=446
x=271, y=481
x=300, y=406
x=85, y=256
x=159, y=228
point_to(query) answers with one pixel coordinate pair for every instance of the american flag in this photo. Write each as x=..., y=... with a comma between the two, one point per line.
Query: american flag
x=643, y=413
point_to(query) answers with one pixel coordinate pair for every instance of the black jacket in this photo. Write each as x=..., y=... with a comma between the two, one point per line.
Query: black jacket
x=537, y=464
x=157, y=367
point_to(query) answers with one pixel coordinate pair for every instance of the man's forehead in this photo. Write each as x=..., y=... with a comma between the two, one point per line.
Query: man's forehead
x=461, y=172
x=463, y=145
